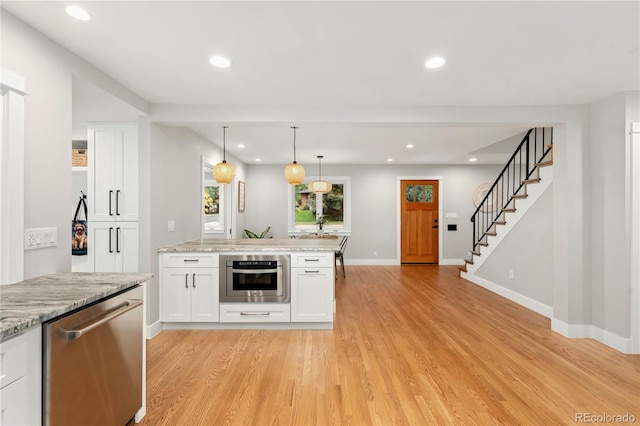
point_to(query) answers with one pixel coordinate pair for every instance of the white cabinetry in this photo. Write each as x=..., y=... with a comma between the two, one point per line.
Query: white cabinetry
x=189, y=288
x=312, y=287
x=113, y=172
x=113, y=193
x=115, y=246
x=255, y=312
x=20, y=379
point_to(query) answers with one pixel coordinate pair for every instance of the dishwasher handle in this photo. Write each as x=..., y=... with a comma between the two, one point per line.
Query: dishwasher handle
x=71, y=335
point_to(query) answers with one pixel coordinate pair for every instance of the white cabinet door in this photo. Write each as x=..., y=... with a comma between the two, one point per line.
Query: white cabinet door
x=312, y=294
x=205, y=295
x=113, y=172
x=127, y=246
x=114, y=246
x=176, y=295
x=13, y=403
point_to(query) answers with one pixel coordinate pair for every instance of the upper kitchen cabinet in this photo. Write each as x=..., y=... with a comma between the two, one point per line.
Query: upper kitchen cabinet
x=113, y=172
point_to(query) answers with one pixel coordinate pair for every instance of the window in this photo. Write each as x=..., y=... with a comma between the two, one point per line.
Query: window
x=212, y=202
x=305, y=207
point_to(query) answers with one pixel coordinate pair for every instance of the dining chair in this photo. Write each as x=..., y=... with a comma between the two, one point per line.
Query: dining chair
x=340, y=255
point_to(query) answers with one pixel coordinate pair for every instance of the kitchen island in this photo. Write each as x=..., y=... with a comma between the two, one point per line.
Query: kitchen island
x=248, y=283
x=26, y=309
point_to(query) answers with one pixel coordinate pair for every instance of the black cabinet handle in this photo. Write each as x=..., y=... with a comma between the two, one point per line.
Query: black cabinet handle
x=193, y=281
x=118, y=202
x=118, y=239
x=110, y=235
x=110, y=197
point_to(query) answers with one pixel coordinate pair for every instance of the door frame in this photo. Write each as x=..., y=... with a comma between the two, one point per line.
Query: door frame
x=440, y=180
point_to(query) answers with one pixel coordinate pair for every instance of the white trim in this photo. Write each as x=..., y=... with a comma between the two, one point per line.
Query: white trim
x=12, y=178
x=633, y=222
x=584, y=331
x=451, y=262
x=153, y=330
x=372, y=262
x=518, y=298
x=247, y=326
x=399, y=180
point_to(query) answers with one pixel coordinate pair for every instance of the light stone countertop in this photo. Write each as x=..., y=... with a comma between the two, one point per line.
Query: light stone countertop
x=28, y=303
x=250, y=244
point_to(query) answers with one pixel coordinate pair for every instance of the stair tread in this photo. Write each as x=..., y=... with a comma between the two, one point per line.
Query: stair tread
x=469, y=261
x=500, y=222
x=509, y=209
x=545, y=163
x=534, y=180
x=483, y=244
x=520, y=196
x=476, y=253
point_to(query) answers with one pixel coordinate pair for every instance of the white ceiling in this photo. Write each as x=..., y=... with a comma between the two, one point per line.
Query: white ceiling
x=349, y=55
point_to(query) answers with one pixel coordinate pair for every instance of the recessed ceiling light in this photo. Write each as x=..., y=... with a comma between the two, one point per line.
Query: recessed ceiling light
x=258, y=160
x=409, y=145
x=240, y=146
x=220, y=62
x=389, y=159
x=473, y=159
x=435, y=62
x=78, y=13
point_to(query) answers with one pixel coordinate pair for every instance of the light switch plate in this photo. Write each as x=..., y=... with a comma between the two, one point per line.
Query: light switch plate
x=35, y=238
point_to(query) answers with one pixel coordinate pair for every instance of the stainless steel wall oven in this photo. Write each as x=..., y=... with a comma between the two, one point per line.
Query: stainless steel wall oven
x=255, y=278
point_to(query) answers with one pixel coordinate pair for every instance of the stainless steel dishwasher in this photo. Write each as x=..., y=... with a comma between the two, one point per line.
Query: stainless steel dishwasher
x=93, y=363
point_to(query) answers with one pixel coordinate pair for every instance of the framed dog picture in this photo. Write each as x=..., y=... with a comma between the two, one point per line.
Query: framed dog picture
x=79, y=241
x=79, y=238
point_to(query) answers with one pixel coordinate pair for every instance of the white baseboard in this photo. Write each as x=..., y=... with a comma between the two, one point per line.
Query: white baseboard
x=153, y=330
x=388, y=262
x=372, y=262
x=586, y=331
x=451, y=262
x=525, y=301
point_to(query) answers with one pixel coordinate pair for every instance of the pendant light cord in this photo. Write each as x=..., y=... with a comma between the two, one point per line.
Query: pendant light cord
x=320, y=166
x=294, y=145
x=224, y=144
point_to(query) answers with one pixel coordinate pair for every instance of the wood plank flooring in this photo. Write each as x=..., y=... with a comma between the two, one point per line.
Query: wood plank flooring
x=412, y=345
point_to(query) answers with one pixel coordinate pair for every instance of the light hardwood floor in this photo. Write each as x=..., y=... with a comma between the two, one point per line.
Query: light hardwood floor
x=412, y=345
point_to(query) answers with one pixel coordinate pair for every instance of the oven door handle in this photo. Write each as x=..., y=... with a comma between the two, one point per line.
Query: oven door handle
x=254, y=271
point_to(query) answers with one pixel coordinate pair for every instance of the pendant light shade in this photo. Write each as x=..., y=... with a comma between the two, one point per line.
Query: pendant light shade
x=320, y=186
x=223, y=172
x=294, y=172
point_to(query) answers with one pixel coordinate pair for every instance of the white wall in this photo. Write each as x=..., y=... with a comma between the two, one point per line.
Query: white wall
x=175, y=192
x=374, y=215
x=47, y=69
x=527, y=251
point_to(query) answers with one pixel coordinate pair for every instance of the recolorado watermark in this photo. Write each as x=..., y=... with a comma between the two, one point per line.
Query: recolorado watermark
x=605, y=418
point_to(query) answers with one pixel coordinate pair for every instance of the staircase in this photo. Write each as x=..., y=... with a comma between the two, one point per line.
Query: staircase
x=524, y=178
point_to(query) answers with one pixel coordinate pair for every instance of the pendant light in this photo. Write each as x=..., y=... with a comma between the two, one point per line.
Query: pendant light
x=223, y=172
x=320, y=186
x=294, y=172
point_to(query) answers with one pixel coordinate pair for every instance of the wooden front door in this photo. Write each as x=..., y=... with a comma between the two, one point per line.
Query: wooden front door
x=419, y=221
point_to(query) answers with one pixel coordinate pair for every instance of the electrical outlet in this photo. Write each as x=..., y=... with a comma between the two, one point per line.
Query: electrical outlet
x=171, y=226
x=29, y=239
x=375, y=254
x=511, y=273
x=36, y=238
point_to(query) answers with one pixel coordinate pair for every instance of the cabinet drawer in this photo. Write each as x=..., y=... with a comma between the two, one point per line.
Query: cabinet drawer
x=13, y=359
x=190, y=260
x=252, y=312
x=305, y=260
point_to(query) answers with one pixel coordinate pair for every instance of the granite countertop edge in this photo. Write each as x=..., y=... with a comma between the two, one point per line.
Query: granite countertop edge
x=29, y=303
x=258, y=245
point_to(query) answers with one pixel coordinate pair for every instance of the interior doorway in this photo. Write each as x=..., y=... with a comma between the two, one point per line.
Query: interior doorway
x=419, y=221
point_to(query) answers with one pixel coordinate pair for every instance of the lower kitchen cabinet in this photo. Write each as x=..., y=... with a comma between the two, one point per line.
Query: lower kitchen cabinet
x=255, y=312
x=189, y=294
x=20, y=379
x=312, y=289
